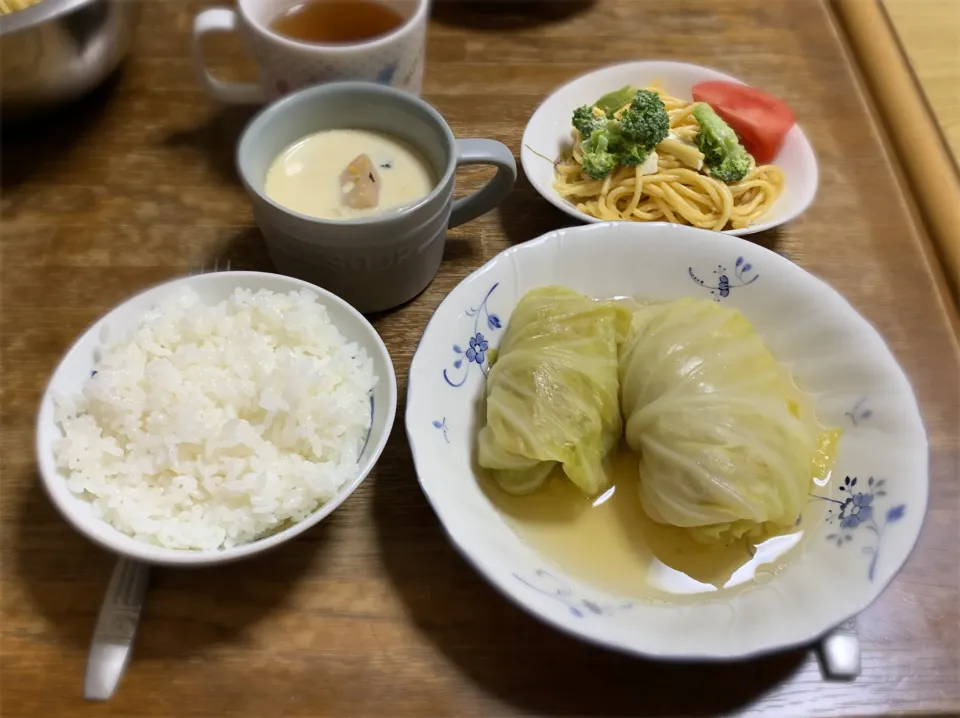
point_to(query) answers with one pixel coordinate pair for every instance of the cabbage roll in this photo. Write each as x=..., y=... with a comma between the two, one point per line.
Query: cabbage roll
x=552, y=394
x=729, y=444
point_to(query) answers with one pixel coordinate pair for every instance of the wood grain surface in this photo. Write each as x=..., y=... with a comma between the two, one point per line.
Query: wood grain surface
x=920, y=147
x=929, y=31
x=373, y=613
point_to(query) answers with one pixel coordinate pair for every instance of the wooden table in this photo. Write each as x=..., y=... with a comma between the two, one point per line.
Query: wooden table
x=883, y=39
x=929, y=31
x=373, y=613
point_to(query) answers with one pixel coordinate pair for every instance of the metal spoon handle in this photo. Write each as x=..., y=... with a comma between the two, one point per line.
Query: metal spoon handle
x=116, y=627
x=839, y=653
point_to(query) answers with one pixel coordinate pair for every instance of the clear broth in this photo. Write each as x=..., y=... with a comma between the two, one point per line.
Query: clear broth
x=610, y=542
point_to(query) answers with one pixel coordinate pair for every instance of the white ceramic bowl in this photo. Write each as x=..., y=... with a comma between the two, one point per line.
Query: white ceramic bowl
x=834, y=354
x=548, y=134
x=76, y=366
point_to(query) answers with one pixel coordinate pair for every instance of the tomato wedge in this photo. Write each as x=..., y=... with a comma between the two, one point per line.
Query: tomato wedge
x=762, y=121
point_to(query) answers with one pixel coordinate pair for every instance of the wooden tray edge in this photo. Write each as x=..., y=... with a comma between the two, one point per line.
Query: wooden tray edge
x=930, y=174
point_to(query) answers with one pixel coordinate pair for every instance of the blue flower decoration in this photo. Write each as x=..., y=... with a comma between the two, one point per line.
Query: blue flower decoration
x=478, y=349
x=725, y=281
x=552, y=587
x=478, y=345
x=442, y=426
x=386, y=74
x=856, y=510
x=860, y=412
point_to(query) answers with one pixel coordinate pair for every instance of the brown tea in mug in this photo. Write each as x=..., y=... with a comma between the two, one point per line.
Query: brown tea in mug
x=337, y=21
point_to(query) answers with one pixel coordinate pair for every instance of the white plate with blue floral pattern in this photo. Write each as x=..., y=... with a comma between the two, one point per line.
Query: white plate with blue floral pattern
x=872, y=509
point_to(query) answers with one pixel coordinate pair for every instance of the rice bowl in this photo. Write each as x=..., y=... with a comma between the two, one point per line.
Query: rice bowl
x=214, y=416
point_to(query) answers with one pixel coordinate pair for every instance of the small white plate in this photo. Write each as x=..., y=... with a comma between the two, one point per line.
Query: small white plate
x=548, y=133
x=78, y=363
x=865, y=521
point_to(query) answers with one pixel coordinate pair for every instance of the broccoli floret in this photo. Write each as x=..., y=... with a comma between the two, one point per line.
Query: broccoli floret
x=722, y=152
x=598, y=159
x=732, y=169
x=632, y=154
x=627, y=141
x=646, y=121
x=585, y=122
x=600, y=142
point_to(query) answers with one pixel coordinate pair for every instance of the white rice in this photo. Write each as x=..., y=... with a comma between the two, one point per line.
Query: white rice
x=211, y=426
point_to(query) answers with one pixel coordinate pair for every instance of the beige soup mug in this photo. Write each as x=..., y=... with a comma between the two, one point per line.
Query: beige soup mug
x=285, y=65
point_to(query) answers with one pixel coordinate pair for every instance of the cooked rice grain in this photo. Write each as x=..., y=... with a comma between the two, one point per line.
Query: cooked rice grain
x=213, y=425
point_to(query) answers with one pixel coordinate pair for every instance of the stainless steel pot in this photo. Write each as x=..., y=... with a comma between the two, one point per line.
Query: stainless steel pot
x=57, y=50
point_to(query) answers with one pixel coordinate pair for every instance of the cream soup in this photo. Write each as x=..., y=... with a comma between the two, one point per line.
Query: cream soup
x=348, y=174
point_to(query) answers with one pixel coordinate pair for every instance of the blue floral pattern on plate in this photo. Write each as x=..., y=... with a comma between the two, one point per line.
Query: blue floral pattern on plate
x=478, y=345
x=549, y=585
x=859, y=509
x=860, y=412
x=441, y=424
x=723, y=283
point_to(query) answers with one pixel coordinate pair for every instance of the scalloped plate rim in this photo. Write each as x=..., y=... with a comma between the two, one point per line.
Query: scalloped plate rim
x=580, y=629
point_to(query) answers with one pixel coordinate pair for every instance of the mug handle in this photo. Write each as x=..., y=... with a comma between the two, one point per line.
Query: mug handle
x=484, y=152
x=220, y=19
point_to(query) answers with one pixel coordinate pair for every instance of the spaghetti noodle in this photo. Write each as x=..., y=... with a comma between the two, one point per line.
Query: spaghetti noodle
x=678, y=190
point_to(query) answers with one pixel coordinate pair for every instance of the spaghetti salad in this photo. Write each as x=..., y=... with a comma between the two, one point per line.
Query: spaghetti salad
x=646, y=156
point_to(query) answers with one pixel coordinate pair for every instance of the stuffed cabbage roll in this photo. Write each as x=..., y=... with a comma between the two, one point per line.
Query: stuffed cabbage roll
x=552, y=392
x=729, y=444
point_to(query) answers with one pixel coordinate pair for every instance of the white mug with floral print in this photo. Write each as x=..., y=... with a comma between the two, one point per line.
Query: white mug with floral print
x=395, y=59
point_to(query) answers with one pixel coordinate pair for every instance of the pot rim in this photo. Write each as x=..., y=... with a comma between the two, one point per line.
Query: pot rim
x=39, y=13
